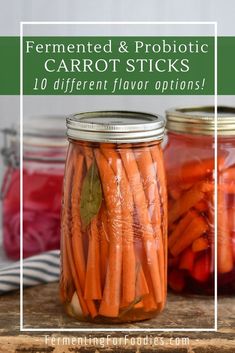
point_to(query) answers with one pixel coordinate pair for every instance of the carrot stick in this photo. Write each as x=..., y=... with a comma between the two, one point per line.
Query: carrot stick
x=88, y=154
x=201, y=206
x=128, y=258
x=225, y=255
x=186, y=186
x=66, y=281
x=76, y=226
x=136, y=185
x=104, y=243
x=93, y=281
x=180, y=227
x=233, y=245
x=76, y=236
x=231, y=218
x=187, y=260
x=191, y=171
x=139, y=305
x=194, y=230
x=66, y=232
x=226, y=181
x=76, y=280
x=149, y=179
x=93, y=276
x=227, y=188
x=111, y=189
x=201, y=268
x=142, y=288
x=189, y=199
x=200, y=244
x=149, y=302
x=157, y=156
x=228, y=175
x=174, y=191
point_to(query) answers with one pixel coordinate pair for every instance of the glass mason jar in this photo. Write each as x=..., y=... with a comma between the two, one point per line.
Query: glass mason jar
x=189, y=157
x=43, y=168
x=114, y=218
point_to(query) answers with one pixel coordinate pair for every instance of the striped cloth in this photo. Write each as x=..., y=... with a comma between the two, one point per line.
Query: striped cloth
x=43, y=268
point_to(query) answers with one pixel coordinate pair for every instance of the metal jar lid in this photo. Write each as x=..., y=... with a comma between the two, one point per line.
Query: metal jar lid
x=116, y=127
x=201, y=121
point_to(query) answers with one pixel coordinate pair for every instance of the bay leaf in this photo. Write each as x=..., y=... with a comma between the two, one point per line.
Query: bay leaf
x=91, y=195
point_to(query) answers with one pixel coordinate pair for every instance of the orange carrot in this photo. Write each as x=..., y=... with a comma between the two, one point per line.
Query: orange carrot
x=111, y=189
x=66, y=282
x=233, y=245
x=187, y=260
x=76, y=281
x=192, y=171
x=172, y=227
x=93, y=280
x=88, y=154
x=201, y=268
x=200, y=244
x=149, y=302
x=136, y=185
x=227, y=188
x=139, y=305
x=93, y=277
x=189, y=199
x=226, y=181
x=150, y=184
x=180, y=227
x=225, y=255
x=104, y=243
x=141, y=283
x=175, y=192
x=76, y=235
x=141, y=288
x=194, y=230
x=66, y=233
x=201, y=206
x=186, y=186
x=228, y=175
x=128, y=258
x=231, y=219
x=157, y=156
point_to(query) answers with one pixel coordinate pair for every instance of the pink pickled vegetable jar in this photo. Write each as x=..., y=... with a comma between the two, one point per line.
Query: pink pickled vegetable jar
x=43, y=167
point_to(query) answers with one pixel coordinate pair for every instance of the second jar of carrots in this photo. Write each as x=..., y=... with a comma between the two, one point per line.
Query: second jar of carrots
x=114, y=218
x=189, y=157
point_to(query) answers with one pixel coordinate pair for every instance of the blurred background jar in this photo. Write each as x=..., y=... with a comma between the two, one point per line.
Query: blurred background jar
x=189, y=158
x=43, y=167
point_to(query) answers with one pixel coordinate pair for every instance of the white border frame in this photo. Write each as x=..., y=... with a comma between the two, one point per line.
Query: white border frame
x=117, y=329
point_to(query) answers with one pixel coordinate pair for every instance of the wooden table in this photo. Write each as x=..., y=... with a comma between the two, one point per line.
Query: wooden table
x=43, y=309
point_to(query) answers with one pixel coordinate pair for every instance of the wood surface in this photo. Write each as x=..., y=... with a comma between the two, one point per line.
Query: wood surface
x=42, y=308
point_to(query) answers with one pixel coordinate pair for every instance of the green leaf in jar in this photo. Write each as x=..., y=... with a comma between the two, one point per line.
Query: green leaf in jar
x=91, y=195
